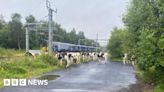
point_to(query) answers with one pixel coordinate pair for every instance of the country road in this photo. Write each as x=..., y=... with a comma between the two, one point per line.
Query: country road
x=87, y=77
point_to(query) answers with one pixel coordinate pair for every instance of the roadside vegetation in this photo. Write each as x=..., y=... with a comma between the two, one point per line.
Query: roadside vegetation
x=143, y=37
x=7, y=53
x=27, y=67
x=13, y=66
x=13, y=63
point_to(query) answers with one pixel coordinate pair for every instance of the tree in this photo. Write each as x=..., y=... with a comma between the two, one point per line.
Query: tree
x=12, y=34
x=81, y=35
x=4, y=36
x=30, y=19
x=17, y=34
x=33, y=34
x=73, y=36
x=2, y=21
x=145, y=21
x=59, y=34
x=119, y=42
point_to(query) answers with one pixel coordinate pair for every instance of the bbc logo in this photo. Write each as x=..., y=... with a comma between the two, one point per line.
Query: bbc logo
x=14, y=82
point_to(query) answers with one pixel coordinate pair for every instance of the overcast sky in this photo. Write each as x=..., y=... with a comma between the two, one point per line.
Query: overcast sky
x=90, y=16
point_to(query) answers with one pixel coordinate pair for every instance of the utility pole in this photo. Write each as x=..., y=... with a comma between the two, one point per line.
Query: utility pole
x=50, y=15
x=79, y=44
x=27, y=40
x=96, y=41
x=27, y=34
x=50, y=31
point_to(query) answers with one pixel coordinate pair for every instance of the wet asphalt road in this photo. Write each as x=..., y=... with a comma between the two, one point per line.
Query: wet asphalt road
x=87, y=77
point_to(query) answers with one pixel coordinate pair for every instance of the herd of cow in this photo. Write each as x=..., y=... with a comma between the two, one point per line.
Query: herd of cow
x=69, y=58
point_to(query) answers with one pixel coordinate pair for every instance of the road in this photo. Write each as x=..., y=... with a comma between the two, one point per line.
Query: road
x=87, y=77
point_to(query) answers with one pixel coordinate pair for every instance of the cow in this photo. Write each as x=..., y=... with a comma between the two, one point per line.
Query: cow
x=74, y=57
x=125, y=58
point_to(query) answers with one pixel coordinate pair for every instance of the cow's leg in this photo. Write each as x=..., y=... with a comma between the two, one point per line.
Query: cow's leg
x=124, y=61
x=133, y=63
x=61, y=62
x=68, y=62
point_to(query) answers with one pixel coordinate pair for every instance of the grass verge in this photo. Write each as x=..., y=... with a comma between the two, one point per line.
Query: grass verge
x=150, y=81
x=159, y=88
x=10, y=52
x=116, y=59
x=27, y=67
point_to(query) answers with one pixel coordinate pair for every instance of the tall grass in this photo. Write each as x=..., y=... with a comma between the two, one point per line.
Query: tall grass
x=10, y=52
x=159, y=88
x=26, y=67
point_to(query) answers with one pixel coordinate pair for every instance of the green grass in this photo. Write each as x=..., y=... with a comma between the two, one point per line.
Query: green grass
x=116, y=59
x=10, y=52
x=27, y=67
x=151, y=77
x=16, y=65
x=159, y=88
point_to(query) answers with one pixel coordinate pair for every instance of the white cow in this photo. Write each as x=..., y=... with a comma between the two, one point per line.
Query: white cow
x=93, y=56
x=125, y=58
x=60, y=56
x=74, y=57
x=133, y=60
x=77, y=57
x=69, y=59
x=102, y=57
x=106, y=56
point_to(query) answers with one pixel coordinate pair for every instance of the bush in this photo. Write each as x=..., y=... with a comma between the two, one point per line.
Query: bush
x=159, y=88
x=26, y=67
x=48, y=59
x=150, y=76
x=23, y=65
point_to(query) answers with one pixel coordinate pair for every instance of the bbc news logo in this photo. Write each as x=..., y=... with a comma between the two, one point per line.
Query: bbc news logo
x=24, y=82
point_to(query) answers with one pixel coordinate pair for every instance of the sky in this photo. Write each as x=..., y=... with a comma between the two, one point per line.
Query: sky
x=90, y=16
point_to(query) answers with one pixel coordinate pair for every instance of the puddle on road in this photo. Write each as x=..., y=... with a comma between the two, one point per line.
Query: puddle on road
x=48, y=77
